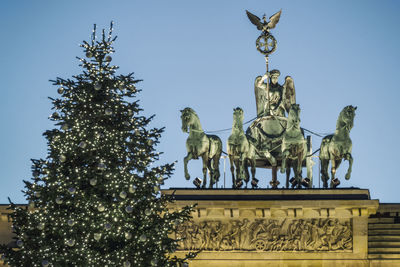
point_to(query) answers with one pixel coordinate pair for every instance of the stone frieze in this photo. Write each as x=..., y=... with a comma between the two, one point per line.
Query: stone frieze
x=269, y=235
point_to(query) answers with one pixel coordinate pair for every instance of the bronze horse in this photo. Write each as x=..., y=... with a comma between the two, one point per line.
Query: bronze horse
x=294, y=147
x=199, y=144
x=338, y=146
x=241, y=151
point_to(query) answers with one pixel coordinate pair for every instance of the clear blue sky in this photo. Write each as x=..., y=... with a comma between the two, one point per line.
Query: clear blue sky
x=202, y=54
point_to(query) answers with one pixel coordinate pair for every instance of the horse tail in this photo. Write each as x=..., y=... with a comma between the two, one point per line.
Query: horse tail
x=324, y=149
x=214, y=155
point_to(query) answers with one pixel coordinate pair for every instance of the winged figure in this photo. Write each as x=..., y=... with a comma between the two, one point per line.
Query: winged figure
x=264, y=25
x=277, y=99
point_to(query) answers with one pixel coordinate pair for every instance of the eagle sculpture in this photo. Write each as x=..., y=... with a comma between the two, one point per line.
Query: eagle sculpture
x=264, y=25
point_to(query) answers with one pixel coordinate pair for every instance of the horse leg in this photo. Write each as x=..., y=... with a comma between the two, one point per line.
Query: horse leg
x=242, y=162
x=287, y=176
x=211, y=172
x=298, y=167
x=350, y=159
x=253, y=170
x=186, y=159
x=274, y=182
x=205, y=162
x=333, y=171
x=335, y=165
x=324, y=172
x=285, y=154
x=237, y=166
x=215, y=166
x=246, y=173
x=232, y=170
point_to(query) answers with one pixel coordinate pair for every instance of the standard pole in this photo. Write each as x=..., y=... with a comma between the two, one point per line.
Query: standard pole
x=267, y=90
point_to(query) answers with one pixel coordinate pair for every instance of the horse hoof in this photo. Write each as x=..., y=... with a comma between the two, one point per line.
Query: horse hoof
x=254, y=183
x=335, y=182
x=212, y=183
x=274, y=184
x=347, y=177
x=305, y=182
x=293, y=181
x=187, y=176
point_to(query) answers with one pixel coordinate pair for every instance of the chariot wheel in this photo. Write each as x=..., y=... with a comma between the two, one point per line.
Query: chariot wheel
x=260, y=245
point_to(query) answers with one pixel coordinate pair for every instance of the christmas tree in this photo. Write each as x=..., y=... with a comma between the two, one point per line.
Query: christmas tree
x=95, y=200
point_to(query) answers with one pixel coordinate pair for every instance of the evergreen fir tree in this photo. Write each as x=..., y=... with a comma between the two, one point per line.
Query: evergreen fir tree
x=95, y=200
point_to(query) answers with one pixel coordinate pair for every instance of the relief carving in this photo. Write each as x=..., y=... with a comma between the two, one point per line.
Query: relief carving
x=317, y=235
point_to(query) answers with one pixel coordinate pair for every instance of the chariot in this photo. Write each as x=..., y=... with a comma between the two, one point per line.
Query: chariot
x=268, y=132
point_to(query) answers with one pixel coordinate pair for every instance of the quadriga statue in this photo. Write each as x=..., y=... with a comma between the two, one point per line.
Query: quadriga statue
x=336, y=147
x=199, y=144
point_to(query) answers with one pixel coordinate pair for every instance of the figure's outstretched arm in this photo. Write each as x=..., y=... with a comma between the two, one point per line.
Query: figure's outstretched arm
x=263, y=78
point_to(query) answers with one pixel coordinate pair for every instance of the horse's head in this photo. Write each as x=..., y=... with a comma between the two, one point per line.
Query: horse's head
x=238, y=117
x=295, y=110
x=294, y=116
x=346, y=118
x=238, y=113
x=187, y=117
